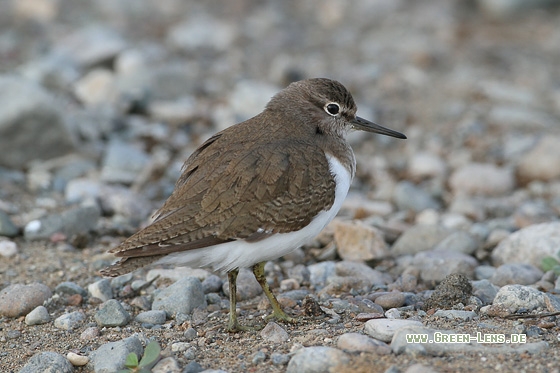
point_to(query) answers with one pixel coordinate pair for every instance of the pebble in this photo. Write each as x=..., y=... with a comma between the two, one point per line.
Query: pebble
x=359, y=242
x=529, y=245
x=101, y=289
x=47, y=362
x=123, y=162
x=201, y=33
x=183, y=296
x=167, y=365
x=516, y=273
x=38, y=316
x=279, y=359
x=110, y=357
x=391, y=300
x=542, y=162
x=356, y=342
x=27, y=109
x=384, y=329
x=96, y=87
x=436, y=265
x=362, y=271
x=485, y=291
x=71, y=222
x=299, y=273
x=482, y=179
x=317, y=359
x=422, y=237
x=516, y=297
x=456, y=314
x=194, y=367
x=274, y=333
x=112, y=313
x=151, y=317
x=212, y=284
x=425, y=165
x=69, y=321
x=77, y=360
x=8, y=248
x=411, y=197
x=460, y=241
x=7, y=227
x=70, y=288
x=18, y=300
x=319, y=272
x=90, y=333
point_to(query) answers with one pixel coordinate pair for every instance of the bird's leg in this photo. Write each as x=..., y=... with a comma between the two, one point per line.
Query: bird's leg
x=233, y=325
x=277, y=311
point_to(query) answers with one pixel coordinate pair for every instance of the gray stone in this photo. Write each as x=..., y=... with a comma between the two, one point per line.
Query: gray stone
x=516, y=273
x=356, y=342
x=38, y=316
x=212, y=284
x=118, y=200
x=485, y=291
x=274, y=333
x=112, y=313
x=110, y=357
x=362, y=271
x=31, y=124
x=300, y=273
x=152, y=317
x=484, y=272
x=182, y=296
x=101, y=289
x=279, y=359
x=529, y=245
x=436, y=265
x=460, y=241
x=70, y=222
x=393, y=299
x=47, y=362
x=411, y=197
x=258, y=357
x=359, y=242
x=18, y=300
x=8, y=248
x=317, y=359
x=319, y=272
x=515, y=297
x=69, y=321
x=456, y=314
x=167, y=365
x=123, y=162
x=7, y=227
x=384, y=329
x=70, y=288
x=482, y=179
x=419, y=238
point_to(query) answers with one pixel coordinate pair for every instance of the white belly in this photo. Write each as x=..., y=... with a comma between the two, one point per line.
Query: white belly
x=239, y=254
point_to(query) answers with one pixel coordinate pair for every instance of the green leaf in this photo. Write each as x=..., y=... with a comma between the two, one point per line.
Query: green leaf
x=556, y=269
x=548, y=263
x=151, y=354
x=131, y=360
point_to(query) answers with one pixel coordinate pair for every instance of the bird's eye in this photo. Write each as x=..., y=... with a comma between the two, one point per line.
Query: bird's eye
x=332, y=108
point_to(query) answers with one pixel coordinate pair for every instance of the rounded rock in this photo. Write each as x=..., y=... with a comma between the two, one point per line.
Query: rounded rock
x=18, y=300
x=38, y=316
x=157, y=317
x=317, y=359
x=112, y=313
x=47, y=362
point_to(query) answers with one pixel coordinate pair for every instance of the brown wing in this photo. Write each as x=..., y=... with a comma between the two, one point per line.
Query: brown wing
x=224, y=195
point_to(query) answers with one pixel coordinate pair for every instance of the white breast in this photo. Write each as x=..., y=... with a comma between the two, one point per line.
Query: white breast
x=239, y=254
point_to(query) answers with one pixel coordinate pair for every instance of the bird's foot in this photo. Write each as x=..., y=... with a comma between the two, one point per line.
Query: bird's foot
x=280, y=315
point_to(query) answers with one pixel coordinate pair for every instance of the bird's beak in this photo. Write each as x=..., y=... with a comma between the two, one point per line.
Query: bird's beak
x=365, y=125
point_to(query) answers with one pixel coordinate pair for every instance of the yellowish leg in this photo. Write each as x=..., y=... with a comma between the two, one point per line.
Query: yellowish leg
x=277, y=311
x=233, y=324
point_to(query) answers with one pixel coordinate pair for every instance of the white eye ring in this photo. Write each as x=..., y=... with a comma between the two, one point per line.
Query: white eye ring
x=332, y=108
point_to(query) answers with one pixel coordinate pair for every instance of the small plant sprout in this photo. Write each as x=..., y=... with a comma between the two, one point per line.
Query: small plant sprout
x=150, y=358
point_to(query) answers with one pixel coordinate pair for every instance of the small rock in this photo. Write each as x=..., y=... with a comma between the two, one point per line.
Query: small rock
x=96, y=87
x=359, y=242
x=456, y=314
x=110, y=357
x=436, y=265
x=167, y=365
x=101, y=289
x=194, y=367
x=362, y=271
x=151, y=317
x=515, y=297
x=453, y=290
x=319, y=272
x=460, y=241
x=70, y=288
x=71, y=222
x=384, y=329
x=183, y=296
x=279, y=359
x=317, y=359
x=411, y=197
x=356, y=342
x=529, y=245
x=112, y=313
x=485, y=291
x=38, y=316
x=482, y=179
x=274, y=333
x=69, y=321
x=258, y=357
x=7, y=227
x=419, y=238
x=516, y=273
x=77, y=360
x=202, y=33
x=391, y=300
x=90, y=333
x=47, y=362
x=18, y=300
x=212, y=284
x=424, y=165
x=542, y=162
x=123, y=162
x=8, y=248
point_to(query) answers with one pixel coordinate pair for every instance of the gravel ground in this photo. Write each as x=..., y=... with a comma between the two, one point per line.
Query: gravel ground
x=446, y=232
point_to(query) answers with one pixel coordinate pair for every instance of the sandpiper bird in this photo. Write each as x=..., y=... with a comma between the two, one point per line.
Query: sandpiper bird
x=257, y=190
